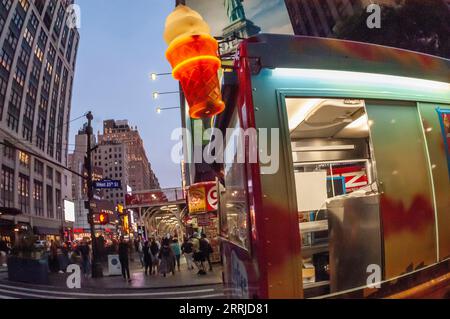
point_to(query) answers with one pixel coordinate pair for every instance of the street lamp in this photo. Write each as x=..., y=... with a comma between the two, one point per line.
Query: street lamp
x=160, y=109
x=157, y=94
x=154, y=76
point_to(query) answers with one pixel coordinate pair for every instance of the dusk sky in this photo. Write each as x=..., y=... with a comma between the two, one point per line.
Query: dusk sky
x=121, y=44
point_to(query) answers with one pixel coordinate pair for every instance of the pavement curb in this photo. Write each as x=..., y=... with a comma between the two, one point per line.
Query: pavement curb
x=6, y=281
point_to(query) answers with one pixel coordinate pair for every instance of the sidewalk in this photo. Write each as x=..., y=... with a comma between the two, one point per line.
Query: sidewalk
x=183, y=278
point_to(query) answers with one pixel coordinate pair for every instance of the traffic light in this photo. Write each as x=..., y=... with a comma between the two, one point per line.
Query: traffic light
x=103, y=219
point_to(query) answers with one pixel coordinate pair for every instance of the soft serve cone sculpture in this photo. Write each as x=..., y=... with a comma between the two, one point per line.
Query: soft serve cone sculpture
x=193, y=55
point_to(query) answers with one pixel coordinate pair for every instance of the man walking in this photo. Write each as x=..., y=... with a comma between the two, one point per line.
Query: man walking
x=123, y=258
x=206, y=248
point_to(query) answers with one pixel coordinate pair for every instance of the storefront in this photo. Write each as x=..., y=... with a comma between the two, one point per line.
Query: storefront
x=6, y=230
x=48, y=234
x=203, y=217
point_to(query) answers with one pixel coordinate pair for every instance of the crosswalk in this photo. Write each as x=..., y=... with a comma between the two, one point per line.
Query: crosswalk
x=13, y=291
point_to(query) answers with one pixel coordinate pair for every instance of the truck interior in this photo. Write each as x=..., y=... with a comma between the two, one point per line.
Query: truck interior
x=337, y=193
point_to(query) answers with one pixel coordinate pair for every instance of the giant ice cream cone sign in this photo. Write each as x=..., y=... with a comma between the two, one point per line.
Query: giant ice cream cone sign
x=193, y=54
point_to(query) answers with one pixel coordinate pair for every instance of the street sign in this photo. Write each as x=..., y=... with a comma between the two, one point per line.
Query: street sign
x=108, y=184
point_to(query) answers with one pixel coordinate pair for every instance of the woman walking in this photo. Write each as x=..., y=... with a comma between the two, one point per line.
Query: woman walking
x=167, y=259
x=154, y=250
x=147, y=257
x=175, y=246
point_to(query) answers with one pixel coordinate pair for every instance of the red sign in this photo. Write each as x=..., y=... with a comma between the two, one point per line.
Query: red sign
x=355, y=177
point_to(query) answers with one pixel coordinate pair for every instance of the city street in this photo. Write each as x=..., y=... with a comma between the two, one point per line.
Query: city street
x=184, y=285
x=229, y=149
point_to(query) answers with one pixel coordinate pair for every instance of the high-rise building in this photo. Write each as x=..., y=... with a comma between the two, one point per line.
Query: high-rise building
x=154, y=182
x=319, y=17
x=112, y=158
x=37, y=60
x=139, y=170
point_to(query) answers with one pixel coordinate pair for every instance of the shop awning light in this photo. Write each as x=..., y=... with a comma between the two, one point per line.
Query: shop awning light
x=361, y=78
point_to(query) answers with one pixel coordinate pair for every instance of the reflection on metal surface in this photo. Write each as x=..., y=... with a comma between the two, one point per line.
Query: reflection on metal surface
x=355, y=240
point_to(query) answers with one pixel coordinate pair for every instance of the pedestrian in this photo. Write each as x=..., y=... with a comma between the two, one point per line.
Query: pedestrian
x=167, y=259
x=4, y=251
x=154, y=249
x=123, y=258
x=53, y=257
x=85, y=251
x=207, y=250
x=187, y=249
x=147, y=256
x=175, y=246
x=140, y=251
x=199, y=256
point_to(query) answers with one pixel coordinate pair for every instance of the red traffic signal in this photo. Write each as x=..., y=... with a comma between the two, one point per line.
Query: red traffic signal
x=102, y=219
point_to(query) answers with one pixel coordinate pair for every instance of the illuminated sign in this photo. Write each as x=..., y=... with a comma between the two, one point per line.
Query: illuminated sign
x=69, y=211
x=202, y=198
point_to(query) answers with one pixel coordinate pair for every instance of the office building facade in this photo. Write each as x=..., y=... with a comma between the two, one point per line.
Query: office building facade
x=140, y=174
x=37, y=60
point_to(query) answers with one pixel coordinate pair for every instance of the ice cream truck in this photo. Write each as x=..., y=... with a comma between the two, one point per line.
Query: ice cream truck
x=358, y=204
x=336, y=181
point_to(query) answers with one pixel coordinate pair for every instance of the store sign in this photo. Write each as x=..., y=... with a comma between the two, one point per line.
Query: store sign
x=203, y=220
x=197, y=200
x=202, y=198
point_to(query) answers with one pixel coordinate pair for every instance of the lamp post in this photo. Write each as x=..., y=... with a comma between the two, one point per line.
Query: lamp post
x=154, y=76
x=157, y=94
x=97, y=271
x=160, y=109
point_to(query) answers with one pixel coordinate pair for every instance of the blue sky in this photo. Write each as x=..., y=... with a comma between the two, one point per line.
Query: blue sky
x=121, y=44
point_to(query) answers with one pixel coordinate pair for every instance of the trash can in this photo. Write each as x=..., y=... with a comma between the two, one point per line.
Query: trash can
x=114, y=267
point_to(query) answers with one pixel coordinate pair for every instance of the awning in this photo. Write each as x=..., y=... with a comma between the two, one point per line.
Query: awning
x=46, y=231
x=6, y=223
x=10, y=211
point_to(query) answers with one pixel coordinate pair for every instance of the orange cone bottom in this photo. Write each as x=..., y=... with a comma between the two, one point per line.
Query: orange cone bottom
x=201, y=88
x=195, y=64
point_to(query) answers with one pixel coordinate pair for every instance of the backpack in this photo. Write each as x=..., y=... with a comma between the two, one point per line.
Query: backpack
x=187, y=248
x=204, y=246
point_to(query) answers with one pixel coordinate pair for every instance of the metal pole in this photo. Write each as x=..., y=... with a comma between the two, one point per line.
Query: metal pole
x=97, y=271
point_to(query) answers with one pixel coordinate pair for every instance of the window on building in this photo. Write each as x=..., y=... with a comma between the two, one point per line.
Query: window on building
x=17, y=20
x=50, y=206
x=59, y=205
x=34, y=22
x=58, y=177
x=9, y=152
x=5, y=60
x=24, y=159
x=7, y=187
x=24, y=193
x=49, y=172
x=6, y=4
x=38, y=167
x=38, y=197
x=24, y=4
x=11, y=39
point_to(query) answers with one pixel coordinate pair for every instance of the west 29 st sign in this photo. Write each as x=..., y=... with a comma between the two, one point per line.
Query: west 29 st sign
x=108, y=184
